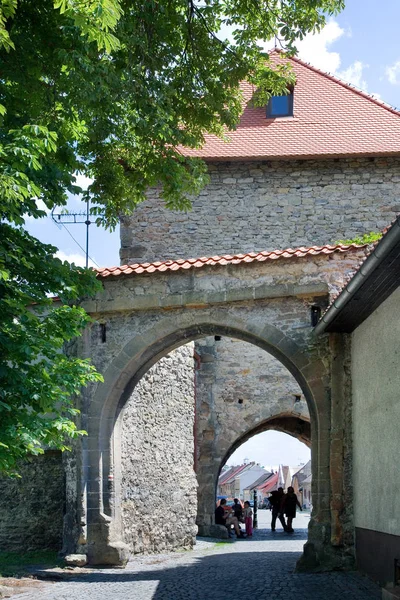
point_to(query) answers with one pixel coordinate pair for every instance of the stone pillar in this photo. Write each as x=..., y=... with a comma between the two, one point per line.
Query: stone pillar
x=342, y=530
x=330, y=545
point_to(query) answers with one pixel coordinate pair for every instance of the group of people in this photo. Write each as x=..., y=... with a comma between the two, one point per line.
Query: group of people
x=282, y=505
x=235, y=514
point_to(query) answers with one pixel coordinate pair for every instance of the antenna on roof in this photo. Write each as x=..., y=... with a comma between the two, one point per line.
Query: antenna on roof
x=276, y=42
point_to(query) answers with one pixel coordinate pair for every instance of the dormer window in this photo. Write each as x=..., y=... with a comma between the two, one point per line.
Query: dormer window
x=280, y=106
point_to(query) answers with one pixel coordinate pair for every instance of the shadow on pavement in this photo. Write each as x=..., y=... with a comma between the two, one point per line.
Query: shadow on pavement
x=237, y=575
x=278, y=535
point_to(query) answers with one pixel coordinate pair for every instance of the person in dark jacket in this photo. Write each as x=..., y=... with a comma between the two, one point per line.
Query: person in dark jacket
x=276, y=501
x=237, y=509
x=289, y=504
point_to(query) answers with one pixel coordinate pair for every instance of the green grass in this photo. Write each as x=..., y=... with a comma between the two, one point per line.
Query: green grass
x=224, y=542
x=14, y=564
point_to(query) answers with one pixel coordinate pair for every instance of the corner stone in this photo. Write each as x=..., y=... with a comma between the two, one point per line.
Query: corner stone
x=76, y=560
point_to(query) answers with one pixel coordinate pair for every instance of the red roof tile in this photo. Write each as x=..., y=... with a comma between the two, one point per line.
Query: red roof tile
x=269, y=485
x=331, y=118
x=175, y=265
x=233, y=472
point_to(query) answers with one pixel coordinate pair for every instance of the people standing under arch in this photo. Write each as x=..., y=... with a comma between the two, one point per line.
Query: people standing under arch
x=276, y=500
x=289, y=504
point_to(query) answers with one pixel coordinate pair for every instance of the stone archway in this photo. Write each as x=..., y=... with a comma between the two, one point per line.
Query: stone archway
x=104, y=527
x=267, y=304
x=240, y=390
x=294, y=426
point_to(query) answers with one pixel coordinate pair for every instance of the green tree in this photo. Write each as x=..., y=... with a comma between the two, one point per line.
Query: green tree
x=111, y=89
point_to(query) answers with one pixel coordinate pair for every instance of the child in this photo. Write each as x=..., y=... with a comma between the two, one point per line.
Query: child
x=248, y=518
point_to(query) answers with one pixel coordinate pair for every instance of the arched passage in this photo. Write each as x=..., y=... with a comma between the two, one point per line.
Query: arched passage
x=297, y=427
x=260, y=462
x=136, y=357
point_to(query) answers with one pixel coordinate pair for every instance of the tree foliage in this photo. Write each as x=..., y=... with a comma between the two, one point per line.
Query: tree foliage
x=112, y=89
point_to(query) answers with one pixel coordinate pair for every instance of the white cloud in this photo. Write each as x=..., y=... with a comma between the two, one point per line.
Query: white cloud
x=82, y=180
x=78, y=259
x=393, y=73
x=353, y=74
x=315, y=47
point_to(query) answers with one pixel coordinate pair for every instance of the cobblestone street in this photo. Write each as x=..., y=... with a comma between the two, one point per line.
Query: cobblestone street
x=261, y=567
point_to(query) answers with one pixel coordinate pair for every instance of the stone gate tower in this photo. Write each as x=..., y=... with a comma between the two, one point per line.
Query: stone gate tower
x=319, y=165
x=199, y=355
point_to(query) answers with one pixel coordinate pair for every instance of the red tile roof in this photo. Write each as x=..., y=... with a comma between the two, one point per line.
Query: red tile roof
x=227, y=259
x=270, y=484
x=230, y=475
x=331, y=119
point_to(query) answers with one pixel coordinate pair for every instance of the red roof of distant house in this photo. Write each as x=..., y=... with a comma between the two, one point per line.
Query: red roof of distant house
x=330, y=119
x=270, y=484
x=176, y=265
x=232, y=473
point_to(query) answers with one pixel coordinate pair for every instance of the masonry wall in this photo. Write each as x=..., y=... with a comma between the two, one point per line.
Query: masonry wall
x=32, y=507
x=241, y=390
x=158, y=480
x=254, y=206
x=376, y=440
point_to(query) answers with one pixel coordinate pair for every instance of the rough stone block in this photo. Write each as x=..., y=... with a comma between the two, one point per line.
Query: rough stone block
x=76, y=560
x=218, y=531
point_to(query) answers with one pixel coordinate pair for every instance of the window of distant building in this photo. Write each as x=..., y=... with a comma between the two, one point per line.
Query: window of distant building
x=280, y=106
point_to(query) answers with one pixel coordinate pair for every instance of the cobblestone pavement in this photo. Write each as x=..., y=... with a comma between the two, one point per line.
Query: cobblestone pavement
x=261, y=567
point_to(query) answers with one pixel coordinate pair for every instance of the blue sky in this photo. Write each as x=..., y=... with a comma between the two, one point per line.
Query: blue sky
x=272, y=448
x=360, y=45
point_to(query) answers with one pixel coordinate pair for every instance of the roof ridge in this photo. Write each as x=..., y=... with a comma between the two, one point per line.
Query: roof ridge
x=224, y=259
x=340, y=81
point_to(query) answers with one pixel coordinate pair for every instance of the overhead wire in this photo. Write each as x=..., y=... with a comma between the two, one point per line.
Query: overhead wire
x=77, y=243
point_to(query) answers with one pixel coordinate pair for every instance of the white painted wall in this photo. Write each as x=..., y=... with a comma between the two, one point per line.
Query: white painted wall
x=250, y=477
x=376, y=419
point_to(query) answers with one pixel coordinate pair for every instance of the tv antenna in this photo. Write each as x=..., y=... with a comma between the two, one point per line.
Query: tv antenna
x=77, y=218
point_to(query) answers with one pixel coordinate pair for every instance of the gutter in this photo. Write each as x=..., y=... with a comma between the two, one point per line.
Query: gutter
x=372, y=262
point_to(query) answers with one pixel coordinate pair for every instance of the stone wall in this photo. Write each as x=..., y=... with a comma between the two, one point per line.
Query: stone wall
x=241, y=390
x=253, y=206
x=31, y=508
x=158, y=480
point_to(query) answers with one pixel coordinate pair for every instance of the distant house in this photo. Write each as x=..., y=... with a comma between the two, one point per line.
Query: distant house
x=257, y=484
x=301, y=482
x=232, y=483
x=286, y=474
x=265, y=489
x=307, y=502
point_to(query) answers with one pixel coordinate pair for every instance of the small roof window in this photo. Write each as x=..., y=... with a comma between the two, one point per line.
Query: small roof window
x=280, y=106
